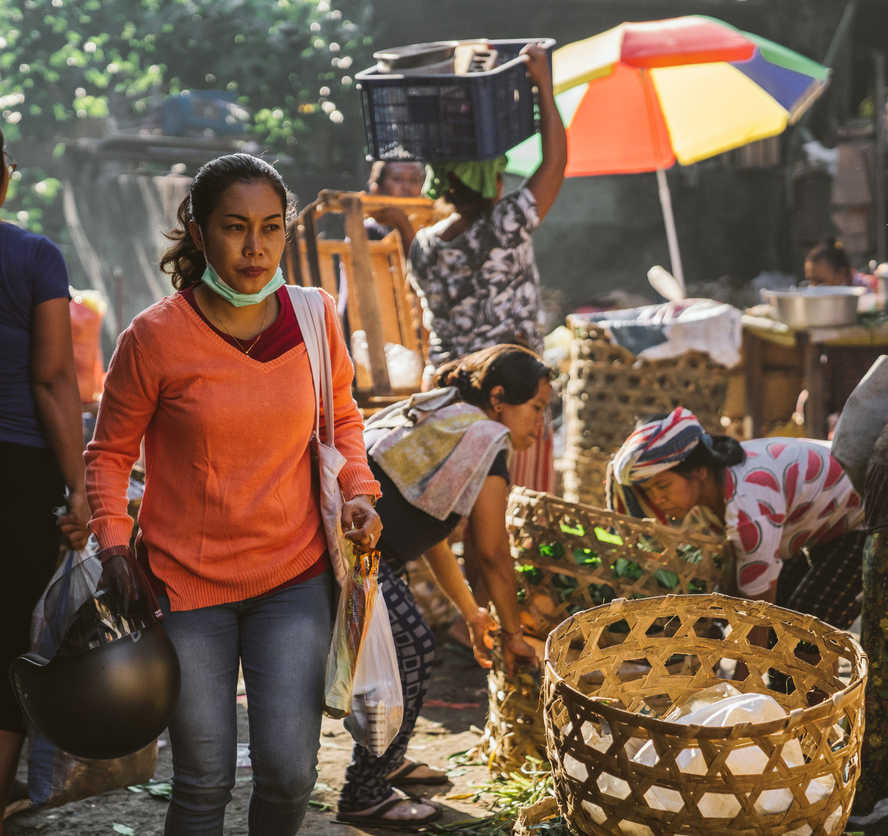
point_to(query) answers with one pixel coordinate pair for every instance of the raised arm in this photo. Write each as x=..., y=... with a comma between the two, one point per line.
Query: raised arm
x=58, y=403
x=546, y=181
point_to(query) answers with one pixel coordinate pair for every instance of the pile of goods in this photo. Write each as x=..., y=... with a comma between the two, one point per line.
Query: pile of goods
x=609, y=388
x=569, y=558
x=711, y=714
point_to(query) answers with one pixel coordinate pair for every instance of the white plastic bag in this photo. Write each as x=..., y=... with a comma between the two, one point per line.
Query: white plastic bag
x=377, y=700
x=724, y=705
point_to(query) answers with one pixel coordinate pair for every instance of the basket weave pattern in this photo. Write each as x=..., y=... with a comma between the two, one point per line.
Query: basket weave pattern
x=563, y=566
x=609, y=388
x=571, y=557
x=514, y=730
x=603, y=701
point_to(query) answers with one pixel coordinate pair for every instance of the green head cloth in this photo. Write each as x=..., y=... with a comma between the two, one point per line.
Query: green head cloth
x=481, y=176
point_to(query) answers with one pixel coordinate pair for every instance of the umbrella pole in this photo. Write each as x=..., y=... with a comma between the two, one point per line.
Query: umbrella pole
x=669, y=221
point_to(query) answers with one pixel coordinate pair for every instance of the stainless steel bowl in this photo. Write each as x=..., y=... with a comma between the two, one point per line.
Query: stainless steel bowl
x=815, y=307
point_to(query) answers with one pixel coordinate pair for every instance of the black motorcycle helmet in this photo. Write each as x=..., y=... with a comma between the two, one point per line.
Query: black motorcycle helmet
x=110, y=677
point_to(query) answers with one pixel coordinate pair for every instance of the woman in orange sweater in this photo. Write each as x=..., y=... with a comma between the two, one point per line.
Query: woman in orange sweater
x=216, y=380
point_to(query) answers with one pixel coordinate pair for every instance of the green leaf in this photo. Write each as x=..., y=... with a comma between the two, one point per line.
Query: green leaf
x=608, y=537
x=554, y=551
x=123, y=829
x=666, y=578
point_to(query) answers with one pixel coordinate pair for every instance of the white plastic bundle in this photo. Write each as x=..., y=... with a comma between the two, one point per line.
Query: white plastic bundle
x=719, y=705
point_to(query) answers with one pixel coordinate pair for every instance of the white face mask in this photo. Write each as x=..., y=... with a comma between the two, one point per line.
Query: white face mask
x=240, y=300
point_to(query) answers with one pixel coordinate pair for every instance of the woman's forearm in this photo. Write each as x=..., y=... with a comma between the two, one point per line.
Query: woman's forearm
x=499, y=575
x=58, y=404
x=552, y=133
x=449, y=577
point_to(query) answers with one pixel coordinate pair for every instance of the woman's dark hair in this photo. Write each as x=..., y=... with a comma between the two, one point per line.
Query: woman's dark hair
x=722, y=451
x=832, y=252
x=517, y=369
x=184, y=261
x=465, y=200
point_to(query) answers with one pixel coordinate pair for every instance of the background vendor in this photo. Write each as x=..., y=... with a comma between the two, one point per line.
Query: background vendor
x=775, y=496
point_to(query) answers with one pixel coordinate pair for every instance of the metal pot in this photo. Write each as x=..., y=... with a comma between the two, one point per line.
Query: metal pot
x=815, y=307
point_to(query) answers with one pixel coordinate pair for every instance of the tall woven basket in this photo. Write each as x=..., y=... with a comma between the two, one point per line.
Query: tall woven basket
x=609, y=388
x=605, y=701
x=570, y=557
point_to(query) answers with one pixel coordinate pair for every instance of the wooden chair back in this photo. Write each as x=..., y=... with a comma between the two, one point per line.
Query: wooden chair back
x=373, y=275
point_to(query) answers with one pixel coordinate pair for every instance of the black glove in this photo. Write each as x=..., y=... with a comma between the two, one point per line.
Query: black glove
x=117, y=585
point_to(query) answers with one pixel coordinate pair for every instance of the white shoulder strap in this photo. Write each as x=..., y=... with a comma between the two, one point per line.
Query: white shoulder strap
x=308, y=306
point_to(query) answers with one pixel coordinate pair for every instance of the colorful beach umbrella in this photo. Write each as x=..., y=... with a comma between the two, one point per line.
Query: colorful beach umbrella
x=643, y=96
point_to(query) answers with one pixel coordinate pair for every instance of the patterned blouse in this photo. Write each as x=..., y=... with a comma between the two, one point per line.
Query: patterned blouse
x=481, y=288
x=789, y=493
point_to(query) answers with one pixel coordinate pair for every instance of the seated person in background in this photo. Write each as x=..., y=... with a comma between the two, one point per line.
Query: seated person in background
x=774, y=497
x=827, y=264
x=394, y=179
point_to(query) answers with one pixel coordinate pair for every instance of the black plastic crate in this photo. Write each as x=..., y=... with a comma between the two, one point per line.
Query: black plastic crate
x=475, y=116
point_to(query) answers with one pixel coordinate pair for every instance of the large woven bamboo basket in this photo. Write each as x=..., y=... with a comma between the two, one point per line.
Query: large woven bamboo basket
x=568, y=558
x=583, y=476
x=609, y=389
x=604, y=701
x=514, y=730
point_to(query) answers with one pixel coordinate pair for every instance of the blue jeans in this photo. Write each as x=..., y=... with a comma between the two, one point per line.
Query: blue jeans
x=281, y=640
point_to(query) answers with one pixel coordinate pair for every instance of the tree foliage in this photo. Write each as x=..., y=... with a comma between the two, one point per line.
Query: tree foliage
x=289, y=62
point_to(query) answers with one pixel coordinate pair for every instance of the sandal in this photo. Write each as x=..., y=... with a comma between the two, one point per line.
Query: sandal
x=401, y=776
x=377, y=817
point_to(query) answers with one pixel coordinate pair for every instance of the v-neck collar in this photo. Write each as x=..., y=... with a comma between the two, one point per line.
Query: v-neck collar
x=182, y=302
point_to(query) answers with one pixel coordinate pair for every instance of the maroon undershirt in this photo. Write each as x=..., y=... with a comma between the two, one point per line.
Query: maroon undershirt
x=282, y=335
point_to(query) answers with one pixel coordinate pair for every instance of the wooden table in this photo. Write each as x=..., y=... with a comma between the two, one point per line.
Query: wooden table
x=832, y=361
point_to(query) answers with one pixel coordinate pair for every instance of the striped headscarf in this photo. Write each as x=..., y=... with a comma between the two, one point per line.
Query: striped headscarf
x=651, y=449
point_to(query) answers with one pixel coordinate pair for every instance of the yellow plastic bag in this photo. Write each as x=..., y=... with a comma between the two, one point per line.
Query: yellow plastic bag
x=357, y=595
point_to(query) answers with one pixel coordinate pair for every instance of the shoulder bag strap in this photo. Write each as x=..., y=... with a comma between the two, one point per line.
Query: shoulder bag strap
x=309, y=308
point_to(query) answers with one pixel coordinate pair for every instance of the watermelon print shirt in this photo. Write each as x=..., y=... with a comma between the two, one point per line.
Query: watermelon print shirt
x=789, y=493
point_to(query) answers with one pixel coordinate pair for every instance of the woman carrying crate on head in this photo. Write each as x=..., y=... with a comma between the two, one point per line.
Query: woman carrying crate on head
x=775, y=496
x=474, y=271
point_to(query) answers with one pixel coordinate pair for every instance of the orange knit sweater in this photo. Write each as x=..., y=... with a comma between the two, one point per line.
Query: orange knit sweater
x=230, y=509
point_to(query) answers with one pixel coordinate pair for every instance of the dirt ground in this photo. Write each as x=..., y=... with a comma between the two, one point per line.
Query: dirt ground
x=442, y=730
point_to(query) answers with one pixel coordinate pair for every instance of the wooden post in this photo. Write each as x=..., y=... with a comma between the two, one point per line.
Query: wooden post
x=813, y=373
x=874, y=632
x=753, y=357
x=366, y=293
